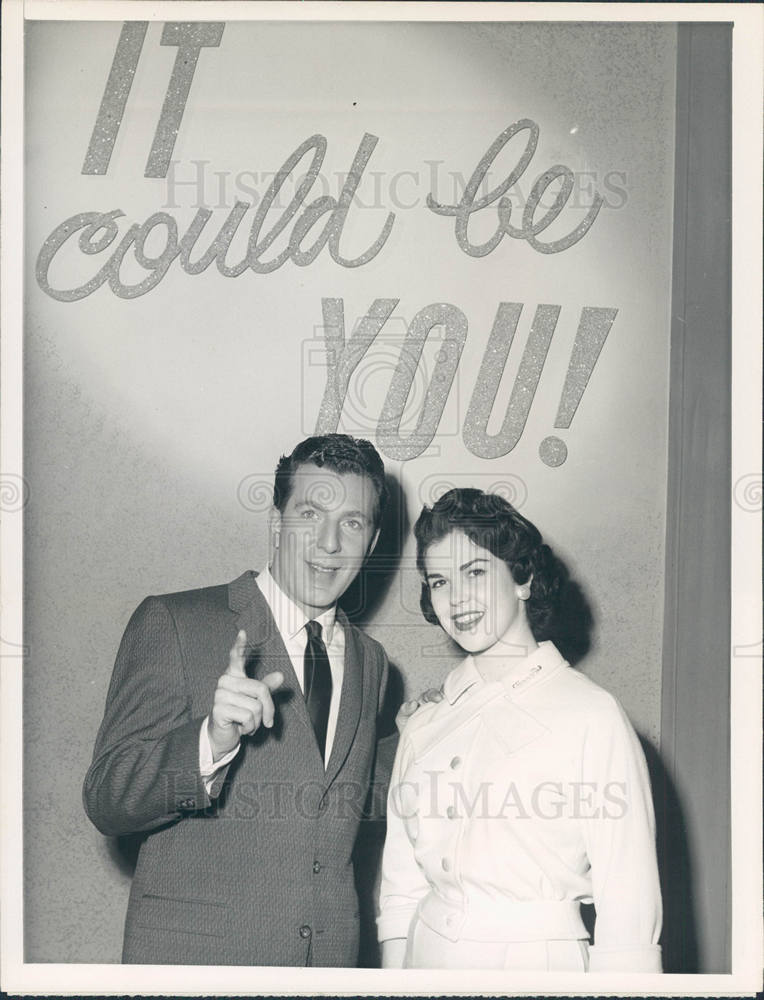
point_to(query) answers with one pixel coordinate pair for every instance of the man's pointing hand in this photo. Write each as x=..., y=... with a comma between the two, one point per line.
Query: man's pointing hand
x=241, y=704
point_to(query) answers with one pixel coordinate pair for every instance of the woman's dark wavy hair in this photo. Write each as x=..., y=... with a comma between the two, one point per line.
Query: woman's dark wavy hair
x=342, y=454
x=493, y=523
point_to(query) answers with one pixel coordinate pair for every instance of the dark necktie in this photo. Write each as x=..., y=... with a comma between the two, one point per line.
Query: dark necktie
x=318, y=683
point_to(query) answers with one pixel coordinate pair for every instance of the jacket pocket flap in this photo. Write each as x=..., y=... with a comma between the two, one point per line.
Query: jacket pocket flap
x=178, y=913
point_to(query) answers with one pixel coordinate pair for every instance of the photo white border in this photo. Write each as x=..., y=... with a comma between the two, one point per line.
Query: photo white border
x=746, y=678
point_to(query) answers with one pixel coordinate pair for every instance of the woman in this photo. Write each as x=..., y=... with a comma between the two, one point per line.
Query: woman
x=524, y=791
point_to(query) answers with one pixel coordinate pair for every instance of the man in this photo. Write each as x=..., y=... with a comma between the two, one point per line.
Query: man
x=250, y=778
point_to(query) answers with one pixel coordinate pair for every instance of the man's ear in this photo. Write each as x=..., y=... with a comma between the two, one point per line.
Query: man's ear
x=274, y=525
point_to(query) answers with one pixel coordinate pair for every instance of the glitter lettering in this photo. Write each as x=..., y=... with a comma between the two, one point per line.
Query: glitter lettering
x=470, y=203
x=303, y=218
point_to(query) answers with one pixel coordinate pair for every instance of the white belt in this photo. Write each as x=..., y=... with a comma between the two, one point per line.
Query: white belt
x=491, y=920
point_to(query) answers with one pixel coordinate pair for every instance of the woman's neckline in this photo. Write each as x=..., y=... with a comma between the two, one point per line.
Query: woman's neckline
x=496, y=665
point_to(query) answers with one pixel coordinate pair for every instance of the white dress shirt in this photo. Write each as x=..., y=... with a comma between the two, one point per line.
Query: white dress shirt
x=290, y=622
x=513, y=801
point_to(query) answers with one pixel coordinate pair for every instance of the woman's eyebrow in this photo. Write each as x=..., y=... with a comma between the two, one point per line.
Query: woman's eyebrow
x=477, y=559
x=430, y=576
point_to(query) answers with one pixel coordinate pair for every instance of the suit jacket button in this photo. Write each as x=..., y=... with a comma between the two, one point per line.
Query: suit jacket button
x=305, y=931
x=316, y=867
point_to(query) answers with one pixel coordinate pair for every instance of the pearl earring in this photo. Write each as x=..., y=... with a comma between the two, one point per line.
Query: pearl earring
x=524, y=592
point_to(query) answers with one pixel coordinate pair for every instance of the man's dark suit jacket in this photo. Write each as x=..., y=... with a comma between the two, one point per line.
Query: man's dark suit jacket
x=262, y=873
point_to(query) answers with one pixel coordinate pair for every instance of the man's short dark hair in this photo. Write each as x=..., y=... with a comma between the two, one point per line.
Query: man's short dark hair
x=492, y=522
x=340, y=453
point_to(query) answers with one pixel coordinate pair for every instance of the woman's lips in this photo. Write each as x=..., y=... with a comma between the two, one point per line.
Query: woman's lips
x=467, y=620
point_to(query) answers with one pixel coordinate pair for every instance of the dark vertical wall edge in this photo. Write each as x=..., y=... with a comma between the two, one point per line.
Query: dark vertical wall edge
x=695, y=725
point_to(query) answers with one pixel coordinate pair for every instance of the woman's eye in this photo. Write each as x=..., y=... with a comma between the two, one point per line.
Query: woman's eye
x=436, y=583
x=476, y=571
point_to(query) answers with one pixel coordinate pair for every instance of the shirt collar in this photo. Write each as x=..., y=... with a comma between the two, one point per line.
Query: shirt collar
x=521, y=672
x=290, y=620
x=528, y=671
x=461, y=678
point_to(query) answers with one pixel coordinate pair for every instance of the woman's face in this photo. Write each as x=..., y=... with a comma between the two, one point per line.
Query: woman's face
x=473, y=594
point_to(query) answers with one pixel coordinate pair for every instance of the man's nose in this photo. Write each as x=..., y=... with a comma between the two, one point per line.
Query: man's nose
x=329, y=537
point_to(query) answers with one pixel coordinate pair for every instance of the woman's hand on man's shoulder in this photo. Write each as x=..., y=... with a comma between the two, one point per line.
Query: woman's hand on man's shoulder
x=408, y=708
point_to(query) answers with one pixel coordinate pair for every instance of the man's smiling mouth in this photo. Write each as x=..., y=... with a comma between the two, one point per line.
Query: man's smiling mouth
x=326, y=570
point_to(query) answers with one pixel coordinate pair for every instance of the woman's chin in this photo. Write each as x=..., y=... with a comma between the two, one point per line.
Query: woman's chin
x=474, y=642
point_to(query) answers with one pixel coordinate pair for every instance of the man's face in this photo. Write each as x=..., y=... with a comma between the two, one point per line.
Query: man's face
x=323, y=535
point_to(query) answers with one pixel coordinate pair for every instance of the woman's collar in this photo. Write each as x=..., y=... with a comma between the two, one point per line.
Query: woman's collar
x=522, y=671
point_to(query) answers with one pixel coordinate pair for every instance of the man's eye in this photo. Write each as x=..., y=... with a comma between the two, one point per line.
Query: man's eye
x=308, y=515
x=436, y=583
x=353, y=524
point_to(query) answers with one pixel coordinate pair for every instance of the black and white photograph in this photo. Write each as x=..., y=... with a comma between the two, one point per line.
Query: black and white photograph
x=381, y=494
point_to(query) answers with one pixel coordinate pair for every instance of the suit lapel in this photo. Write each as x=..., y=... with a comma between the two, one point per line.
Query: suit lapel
x=266, y=649
x=267, y=652
x=350, y=700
